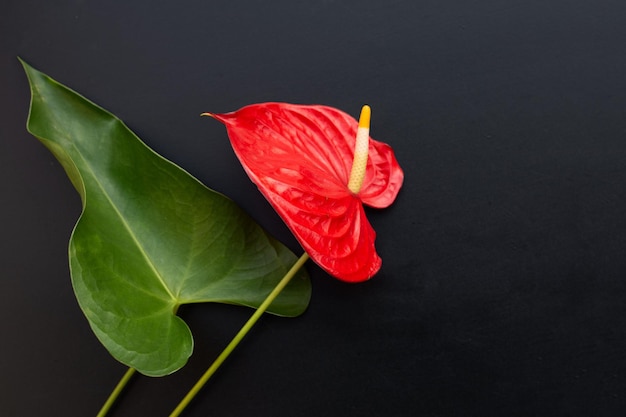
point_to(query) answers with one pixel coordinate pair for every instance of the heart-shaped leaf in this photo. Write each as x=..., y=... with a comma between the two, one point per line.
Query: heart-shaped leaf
x=151, y=237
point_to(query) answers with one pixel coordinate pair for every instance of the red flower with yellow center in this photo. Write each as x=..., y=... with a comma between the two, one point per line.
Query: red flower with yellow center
x=317, y=166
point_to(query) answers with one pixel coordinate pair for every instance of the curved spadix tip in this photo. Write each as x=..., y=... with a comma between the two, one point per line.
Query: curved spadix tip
x=365, y=117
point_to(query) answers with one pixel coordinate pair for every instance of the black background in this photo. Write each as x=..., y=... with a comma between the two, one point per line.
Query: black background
x=503, y=287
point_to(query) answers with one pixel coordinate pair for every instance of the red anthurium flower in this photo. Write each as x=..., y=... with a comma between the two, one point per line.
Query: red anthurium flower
x=317, y=173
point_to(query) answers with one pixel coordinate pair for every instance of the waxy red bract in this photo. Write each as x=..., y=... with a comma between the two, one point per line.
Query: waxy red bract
x=300, y=158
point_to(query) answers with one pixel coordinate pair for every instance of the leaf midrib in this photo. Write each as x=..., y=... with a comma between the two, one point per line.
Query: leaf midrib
x=126, y=225
x=103, y=189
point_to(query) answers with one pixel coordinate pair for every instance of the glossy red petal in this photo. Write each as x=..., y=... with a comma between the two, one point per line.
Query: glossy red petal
x=383, y=178
x=300, y=158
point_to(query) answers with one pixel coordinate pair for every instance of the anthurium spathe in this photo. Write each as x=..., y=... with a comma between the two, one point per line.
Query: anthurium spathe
x=308, y=161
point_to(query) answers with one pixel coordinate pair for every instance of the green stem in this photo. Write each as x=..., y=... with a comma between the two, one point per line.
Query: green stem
x=242, y=333
x=116, y=392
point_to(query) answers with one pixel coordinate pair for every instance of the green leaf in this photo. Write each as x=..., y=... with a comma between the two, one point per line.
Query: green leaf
x=151, y=237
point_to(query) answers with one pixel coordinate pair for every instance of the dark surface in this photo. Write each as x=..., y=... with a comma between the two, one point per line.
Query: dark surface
x=503, y=288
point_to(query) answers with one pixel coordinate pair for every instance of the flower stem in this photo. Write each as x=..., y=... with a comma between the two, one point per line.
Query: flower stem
x=239, y=336
x=116, y=392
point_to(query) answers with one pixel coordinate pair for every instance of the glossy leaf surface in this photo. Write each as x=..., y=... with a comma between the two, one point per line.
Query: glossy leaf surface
x=151, y=237
x=300, y=157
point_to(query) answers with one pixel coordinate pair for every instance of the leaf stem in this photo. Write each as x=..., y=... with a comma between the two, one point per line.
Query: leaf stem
x=239, y=336
x=116, y=392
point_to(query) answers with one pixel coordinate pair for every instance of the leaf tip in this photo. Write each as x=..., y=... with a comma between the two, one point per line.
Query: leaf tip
x=25, y=65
